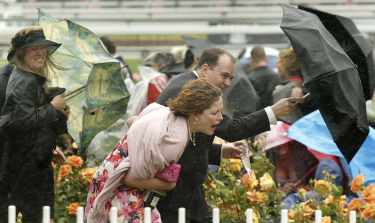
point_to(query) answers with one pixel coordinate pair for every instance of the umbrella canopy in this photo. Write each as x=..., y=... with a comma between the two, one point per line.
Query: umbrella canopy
x=354, y=44
x=173, y=69
x=331, y=78
x=197, y=45
x=242, y=93
x=312, y=131
x=104, y=97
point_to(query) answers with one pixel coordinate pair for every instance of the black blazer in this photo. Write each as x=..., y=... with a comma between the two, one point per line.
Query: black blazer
x=264, y=81
x=195, y=159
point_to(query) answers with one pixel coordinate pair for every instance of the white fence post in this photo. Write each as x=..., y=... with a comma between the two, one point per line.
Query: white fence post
x=318, y=216
x=284, y=216
x=46, y=214
x=181, y=215
x=249, y=216
x=216, y=215
x=148, y=215
x=352, y=217
x=80, y=215
x=113, y=215
x=12, y=214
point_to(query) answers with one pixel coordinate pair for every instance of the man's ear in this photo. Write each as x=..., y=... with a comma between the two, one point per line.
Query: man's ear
x=204, y=70
x=266, y=58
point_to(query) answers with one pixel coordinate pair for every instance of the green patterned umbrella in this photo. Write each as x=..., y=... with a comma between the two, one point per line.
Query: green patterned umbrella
x=103, y=97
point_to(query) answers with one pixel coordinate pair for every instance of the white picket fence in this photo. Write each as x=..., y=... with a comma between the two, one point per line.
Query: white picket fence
x=181, y=215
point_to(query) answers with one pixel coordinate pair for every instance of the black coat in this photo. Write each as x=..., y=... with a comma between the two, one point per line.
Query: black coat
x=5, y=72
x=264, y=80
x=32, y=131
x=195, y=159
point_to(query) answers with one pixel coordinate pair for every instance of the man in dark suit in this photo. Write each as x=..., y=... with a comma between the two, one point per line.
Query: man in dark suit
x=217, y=66
x=263, y=79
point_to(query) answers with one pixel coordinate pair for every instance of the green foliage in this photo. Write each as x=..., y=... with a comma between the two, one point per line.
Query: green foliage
x=226, y=190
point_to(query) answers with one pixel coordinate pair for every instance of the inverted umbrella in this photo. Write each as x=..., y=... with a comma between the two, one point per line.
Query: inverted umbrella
x=331, y=78
x=173, y=69
x=242, y=93
x=197, y=45
x=103, y=97
x=354, y=44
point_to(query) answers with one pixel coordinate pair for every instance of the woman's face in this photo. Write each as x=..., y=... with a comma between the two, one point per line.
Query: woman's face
x=210, y=117
x=280, y=150
x=35, y=56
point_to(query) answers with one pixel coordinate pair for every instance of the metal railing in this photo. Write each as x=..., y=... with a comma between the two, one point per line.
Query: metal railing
x=181, y=215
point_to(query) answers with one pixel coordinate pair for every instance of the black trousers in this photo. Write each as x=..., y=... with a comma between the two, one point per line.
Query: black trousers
x=31, y=188
x=168, y=216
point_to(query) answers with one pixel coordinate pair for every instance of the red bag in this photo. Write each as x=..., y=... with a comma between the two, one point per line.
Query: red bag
x=169, y=173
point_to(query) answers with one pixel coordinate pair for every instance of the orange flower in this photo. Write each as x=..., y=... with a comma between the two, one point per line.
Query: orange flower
x=369, y=211
x=250, y=184
x=236, y=164
x=331, y=199
x=323, y=183
x=291, y=214
x=266, y=182
x=261, y=197
x=307, y=210
x=75, y=161
x=368, y=194
x=343, y=211
x=326, y=219
x=87, y=174
x=255, y=217
x=73, y=208
x=53, y=165
x=357, y=183
x=65, y=170
x=252, y=196
x=356, y=205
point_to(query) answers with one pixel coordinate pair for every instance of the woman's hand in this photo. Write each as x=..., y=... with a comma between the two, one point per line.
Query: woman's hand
x=278, y=87
x=233, y=150
x=67, y=112
x=130, y=121
x=289, y=188
x=152, y=183
x=59, y=156
x=59, y=103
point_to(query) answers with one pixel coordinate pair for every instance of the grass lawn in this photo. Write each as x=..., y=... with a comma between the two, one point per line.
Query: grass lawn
x=133, y=64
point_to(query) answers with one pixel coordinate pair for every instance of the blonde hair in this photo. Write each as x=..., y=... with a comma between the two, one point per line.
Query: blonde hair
x=49, y=64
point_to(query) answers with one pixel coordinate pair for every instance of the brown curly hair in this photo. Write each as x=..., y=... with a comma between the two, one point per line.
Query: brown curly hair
x=289, y=62
x=193, y=98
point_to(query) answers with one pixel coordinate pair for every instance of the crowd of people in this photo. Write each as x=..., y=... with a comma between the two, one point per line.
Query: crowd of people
x=176, y=126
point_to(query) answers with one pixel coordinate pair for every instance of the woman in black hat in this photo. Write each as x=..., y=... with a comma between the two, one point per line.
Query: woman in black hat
x=38, y=114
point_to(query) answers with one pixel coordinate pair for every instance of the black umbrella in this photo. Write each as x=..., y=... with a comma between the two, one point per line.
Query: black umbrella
x=354, y=44
x=197, y=45
x=173, y=69
x=331, y=77
x=242, y=93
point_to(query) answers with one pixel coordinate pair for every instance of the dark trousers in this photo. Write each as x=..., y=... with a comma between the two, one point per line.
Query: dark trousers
x=31, y=188
x=168, y=216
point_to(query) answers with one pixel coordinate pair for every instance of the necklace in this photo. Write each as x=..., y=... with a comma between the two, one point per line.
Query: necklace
x=191, y=138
